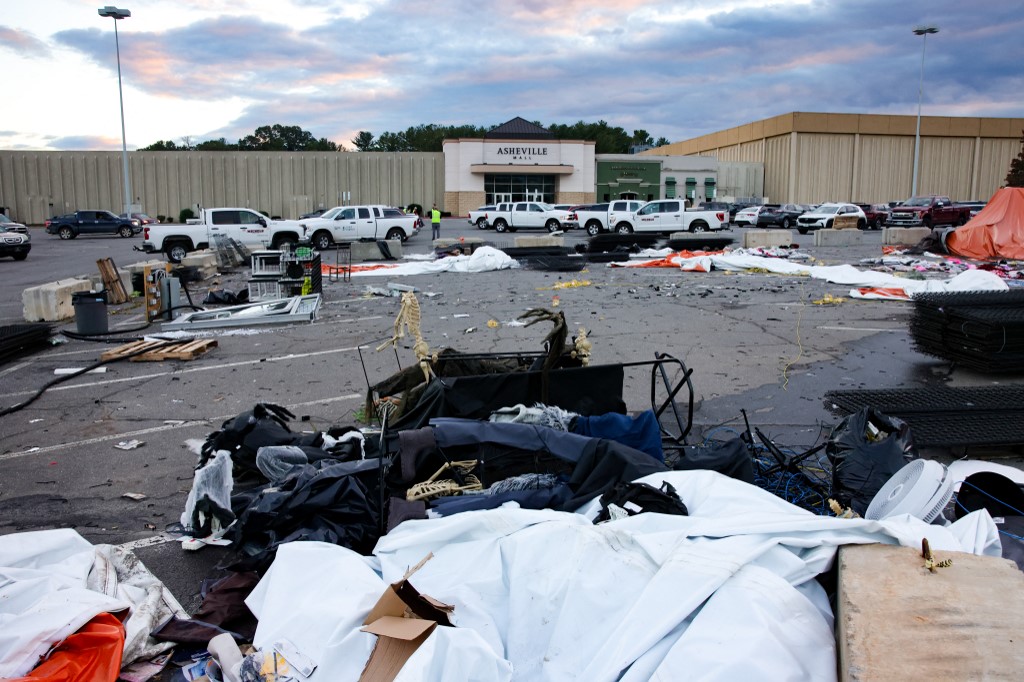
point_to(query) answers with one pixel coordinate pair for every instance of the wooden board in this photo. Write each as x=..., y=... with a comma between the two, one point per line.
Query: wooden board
x=179, y=350
x=112, y=283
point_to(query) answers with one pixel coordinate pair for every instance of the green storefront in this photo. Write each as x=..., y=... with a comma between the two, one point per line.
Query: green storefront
x=628, y=180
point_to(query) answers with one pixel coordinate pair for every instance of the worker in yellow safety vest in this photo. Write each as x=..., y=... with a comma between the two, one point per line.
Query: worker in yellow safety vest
x=435, y=223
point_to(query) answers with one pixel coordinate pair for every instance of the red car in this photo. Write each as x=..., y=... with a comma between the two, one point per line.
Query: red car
x=876, y=215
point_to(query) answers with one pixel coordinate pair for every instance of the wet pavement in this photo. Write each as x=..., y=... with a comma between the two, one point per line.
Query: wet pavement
x=754, y=341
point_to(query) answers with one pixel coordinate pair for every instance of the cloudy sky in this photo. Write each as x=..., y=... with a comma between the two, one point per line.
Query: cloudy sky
x=203, y=69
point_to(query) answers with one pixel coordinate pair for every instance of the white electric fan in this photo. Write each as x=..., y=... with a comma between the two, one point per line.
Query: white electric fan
x=922, y=488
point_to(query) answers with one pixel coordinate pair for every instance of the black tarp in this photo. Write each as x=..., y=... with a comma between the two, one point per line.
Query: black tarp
x=588, y=391
x=866, y=449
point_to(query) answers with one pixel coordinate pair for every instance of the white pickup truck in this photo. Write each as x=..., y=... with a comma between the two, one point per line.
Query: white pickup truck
x=666, y=216
x=601, y=217
x=479, y=216
x=245, y=225
x=345, y=224
x=527, y=215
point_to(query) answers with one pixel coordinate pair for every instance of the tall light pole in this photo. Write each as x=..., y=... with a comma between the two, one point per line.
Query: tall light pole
x=920, y=31
x=118, y=14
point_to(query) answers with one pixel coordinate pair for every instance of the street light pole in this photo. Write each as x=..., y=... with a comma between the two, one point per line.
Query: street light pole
x=118, y=14
x=920, y=31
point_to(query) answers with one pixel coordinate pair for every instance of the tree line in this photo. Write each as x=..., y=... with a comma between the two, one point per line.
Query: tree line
x=422, y=138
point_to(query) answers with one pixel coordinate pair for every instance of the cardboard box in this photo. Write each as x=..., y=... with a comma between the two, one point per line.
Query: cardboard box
x=402, y=619
x=845, y=222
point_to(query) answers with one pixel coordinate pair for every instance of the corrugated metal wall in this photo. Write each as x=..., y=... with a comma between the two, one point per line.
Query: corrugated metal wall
x=824, y=168
x=994, y=159
x=776, y=168
x=885, y=168
x=37, y=185
x=946, y=166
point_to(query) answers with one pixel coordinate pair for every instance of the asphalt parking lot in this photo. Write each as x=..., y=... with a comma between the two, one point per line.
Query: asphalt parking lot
x=754, y=341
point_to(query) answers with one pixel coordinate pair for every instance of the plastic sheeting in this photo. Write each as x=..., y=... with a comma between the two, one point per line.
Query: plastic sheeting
x=483, y=259
x=970, y=280
x=726, y=593
x=997, y=231
x=53, y=582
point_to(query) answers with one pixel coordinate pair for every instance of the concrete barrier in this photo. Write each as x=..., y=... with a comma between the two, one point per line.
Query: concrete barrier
x=467, y=244
x=204, y=260
x=51, y=302
x=546, y=240
x=369, y=251
x=838, y=237
x=766, y=239
x=904, y=236
x=895, y=620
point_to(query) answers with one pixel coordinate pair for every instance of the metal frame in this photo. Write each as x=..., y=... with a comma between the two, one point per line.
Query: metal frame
x=281, y=311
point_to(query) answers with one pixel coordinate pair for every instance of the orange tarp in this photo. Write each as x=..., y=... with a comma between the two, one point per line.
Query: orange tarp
x=92, y=654
x=996, y=232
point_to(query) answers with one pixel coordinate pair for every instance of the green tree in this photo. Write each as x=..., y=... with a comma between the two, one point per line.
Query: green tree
x=392, y=142
x=607, y=139
x=279, y=138
x=218, y=145
x=1015, y=178
x=161, y=146
x=661, y=142
x=642, y=138
x=364, y=142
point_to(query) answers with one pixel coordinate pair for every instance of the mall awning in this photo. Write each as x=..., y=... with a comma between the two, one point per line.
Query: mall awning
x=516, y=169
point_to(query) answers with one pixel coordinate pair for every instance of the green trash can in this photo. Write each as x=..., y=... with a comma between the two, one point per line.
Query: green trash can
x=90, y=311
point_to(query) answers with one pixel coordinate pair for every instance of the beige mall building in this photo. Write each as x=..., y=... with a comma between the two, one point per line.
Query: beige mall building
x=813, y=157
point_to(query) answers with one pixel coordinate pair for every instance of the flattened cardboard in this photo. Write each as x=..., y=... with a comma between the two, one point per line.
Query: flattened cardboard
x=402, y=619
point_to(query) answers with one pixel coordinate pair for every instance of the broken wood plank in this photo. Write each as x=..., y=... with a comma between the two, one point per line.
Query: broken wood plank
x=157, y=351
x=112, y=284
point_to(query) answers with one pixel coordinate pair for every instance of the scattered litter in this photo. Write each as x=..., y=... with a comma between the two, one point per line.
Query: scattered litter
x=34, y=421
x=35, y=449
x=432, y=294
x=129, y=444
x=469, y=330
x=571, y=284
x=459, y=316
x=134, y=496
x=514, y=323
x=829, y=299
x=493, y=324
x=402, y=287
x=61, y=371
x=555, y=300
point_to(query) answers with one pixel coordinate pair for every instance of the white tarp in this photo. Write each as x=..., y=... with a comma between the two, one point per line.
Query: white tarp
x=53, y=582
x=726, y=593
x=969, y=280
x=483, y=259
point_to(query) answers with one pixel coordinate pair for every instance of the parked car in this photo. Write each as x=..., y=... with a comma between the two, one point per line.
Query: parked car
x=479, y=216
x=974, y=206
x=781, y=215
x=313, y=214
x=71, y=225
x=598, y=218
x=747, y=216
x=11, y=225
x=14, y=244
x=736, y=207
x=875, y=214
x=927, y=211
x=823, y=217
x=141, y=217
x=666, y=216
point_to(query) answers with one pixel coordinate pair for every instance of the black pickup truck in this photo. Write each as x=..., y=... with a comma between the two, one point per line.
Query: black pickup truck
x=92, y=222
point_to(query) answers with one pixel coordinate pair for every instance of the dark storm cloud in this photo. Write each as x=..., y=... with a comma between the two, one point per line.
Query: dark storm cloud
x=674, y=69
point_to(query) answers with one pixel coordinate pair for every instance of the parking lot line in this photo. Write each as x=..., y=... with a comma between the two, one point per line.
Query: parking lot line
x=163, y=427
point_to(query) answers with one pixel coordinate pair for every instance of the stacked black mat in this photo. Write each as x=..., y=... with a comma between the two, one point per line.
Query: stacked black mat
x=983, y=331
x=944, y=416
x=20, y=339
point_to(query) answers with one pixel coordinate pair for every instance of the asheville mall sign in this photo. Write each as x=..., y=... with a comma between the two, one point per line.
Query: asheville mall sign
x=523, y=152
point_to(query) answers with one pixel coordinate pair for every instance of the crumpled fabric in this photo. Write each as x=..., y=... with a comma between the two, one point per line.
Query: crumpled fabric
x=53, y=582
x=208, y=505
x=648, y=597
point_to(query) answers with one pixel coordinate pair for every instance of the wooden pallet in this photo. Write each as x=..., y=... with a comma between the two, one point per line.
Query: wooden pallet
x=116, y=293
x=179, y=350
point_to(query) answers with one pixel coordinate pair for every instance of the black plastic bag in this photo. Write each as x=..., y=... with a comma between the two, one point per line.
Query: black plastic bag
x=866, y=449
x=637, y=498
